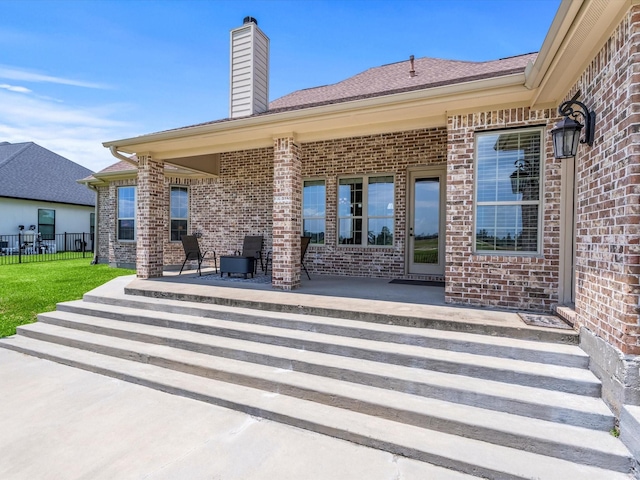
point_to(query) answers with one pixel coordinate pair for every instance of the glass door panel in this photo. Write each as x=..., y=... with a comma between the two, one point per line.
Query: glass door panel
x=426, y=233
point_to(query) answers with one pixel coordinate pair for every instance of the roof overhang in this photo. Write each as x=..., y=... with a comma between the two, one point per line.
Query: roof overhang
x=578, y=32
x=390, y=113
x=103, y=179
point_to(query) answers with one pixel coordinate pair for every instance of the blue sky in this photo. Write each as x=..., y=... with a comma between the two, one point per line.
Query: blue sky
x=75, y=73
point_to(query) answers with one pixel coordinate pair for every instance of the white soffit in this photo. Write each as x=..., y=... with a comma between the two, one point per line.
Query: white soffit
x=585, y=36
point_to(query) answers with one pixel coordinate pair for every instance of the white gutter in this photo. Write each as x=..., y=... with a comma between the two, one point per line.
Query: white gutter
x=95, y=225
x=114, y=151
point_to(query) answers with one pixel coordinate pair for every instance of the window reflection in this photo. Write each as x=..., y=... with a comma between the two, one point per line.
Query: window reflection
x=366, y=210
x=314, y=210
x=508, y=167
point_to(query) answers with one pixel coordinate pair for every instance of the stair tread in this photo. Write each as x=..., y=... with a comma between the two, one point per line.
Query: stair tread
x=443, y=317
x=208, y=309
x=449, y=450
x=572, y=436
x=498, y=363
x=494, y=388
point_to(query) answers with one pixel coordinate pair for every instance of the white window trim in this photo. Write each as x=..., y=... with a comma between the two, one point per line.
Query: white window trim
x=315, y=179
x=171, y=187
x=539, y=202
x=54, y=221
x=365, y=210
x=135, y=209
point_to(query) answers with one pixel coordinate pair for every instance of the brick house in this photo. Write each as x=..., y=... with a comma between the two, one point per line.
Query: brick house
x=424, y=169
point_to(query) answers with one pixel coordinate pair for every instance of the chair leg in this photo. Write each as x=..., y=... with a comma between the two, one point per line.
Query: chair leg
x=305, y=270
x=266, y=264
x=183, y=264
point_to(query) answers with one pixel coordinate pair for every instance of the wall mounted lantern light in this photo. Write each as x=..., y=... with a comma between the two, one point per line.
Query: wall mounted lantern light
x=566, y=133
x=20, y=227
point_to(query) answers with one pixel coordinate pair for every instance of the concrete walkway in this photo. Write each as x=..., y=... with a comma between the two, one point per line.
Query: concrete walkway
x=59, y=422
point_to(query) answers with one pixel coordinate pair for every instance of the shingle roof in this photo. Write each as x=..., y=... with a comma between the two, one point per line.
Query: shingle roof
x=395, y=78
x=390, y=79
x=32, y=172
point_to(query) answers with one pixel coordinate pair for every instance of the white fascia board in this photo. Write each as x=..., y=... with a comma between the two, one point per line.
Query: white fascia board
x=585, y=36
x=561, y=24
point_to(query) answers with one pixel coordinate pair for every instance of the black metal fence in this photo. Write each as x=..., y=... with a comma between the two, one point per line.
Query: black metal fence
x=27, y=247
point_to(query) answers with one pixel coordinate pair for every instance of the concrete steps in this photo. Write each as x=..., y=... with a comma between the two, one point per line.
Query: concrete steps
x=481, y=405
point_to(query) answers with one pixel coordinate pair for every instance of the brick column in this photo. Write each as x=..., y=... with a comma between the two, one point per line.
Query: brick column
x=149, y=219
x=110, y=208
x=287, y=213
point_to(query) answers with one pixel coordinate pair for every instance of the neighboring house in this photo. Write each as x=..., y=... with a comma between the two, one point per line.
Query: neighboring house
x=425, y=169
x=39, y=191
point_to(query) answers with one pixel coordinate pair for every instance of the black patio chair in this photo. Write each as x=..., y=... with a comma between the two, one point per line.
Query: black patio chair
x=304, y=244
x=192, y=252
x=252, y=247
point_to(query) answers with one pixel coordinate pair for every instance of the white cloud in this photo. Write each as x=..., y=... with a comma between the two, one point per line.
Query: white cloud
x=13, y=73
x=76, y=133
x=13, y=88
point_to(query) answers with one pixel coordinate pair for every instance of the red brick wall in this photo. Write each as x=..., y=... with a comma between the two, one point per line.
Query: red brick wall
x=150, y=226
x=608, y=191
x=236, y=204
x=511, y=281
x=110, y=250
x=287, y=212
x=384, y=154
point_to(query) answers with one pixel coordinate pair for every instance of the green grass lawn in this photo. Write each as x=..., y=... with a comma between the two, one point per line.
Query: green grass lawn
x=29, y=289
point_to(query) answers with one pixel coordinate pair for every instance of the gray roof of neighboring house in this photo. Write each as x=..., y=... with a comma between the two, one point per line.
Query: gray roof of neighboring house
x=29, y=171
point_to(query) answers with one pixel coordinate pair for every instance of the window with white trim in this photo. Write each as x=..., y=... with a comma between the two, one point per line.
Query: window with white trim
x=366, y=210
x=314, y=210
x=126, y=223
x=508, y=184
x=47, y=223
x=179, y=212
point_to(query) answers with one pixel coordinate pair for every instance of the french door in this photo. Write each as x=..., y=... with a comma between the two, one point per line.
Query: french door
x=425, y=225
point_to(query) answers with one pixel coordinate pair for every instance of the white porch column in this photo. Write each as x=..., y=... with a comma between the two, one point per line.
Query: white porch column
x=150, y=221
x=287, y=213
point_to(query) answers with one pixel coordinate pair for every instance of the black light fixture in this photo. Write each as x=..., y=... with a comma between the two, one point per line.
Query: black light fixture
x=20, y=227
x=566, y=133
x=32, y=227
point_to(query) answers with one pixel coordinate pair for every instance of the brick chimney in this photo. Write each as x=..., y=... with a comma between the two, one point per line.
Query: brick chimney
x=249, y=82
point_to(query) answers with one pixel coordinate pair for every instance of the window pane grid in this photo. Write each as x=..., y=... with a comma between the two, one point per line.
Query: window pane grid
x=366, y=206
x=508, y=167
x=126, y=213
x=314, y=210
x=179, y=210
